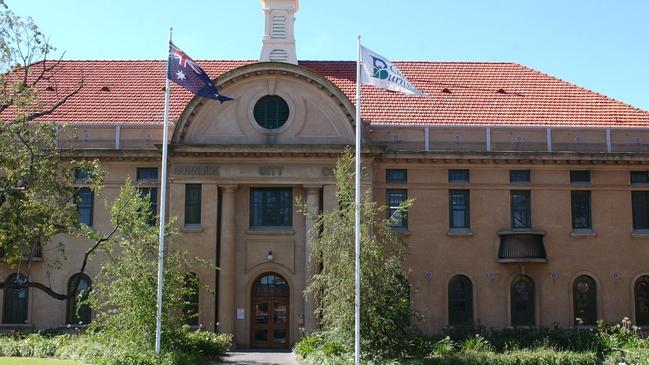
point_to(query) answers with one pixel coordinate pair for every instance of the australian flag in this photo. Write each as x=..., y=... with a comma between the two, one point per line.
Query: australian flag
x=185, y=72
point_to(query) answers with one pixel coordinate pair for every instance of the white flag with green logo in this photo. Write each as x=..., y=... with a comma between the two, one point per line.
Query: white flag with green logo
x=379, y=71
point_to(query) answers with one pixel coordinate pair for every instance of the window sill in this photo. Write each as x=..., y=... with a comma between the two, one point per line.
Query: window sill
x=459, y=232
x=273, y=231
x=520, y=230
x=640, y=233
x=401, y=231
x=192, y=229
x=578, y=233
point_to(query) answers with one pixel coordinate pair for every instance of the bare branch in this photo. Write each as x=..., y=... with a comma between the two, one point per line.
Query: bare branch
x=29, y=284
x=48, y=289
x=51, y=109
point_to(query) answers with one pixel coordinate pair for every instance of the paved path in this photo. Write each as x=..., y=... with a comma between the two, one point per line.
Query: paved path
x=260, y=357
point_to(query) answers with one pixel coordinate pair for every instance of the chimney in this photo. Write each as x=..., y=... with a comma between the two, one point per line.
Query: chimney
x=279, y=42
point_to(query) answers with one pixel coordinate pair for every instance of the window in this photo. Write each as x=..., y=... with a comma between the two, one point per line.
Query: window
x=147, y=174
x=519, y=176
x=271, y=207
x=192, y=204
x=458, y=176
x=84, y=198
x=521, y=214
x=639, y=177
x=396, y=176
x=271, y=285
x=81, y=174
x=16, y=301
x=190, y=299
x=522, y=301
x=641, y=294
x=584, y=295
x=580, y=177
x=394, y=199
x=459, y=209
x=581, y=215
x=78, y=312
x=460, y=301
x=271, y=112
x=152, y=195
x=640, y=206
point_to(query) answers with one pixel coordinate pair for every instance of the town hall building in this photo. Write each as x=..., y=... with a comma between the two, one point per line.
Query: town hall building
x=531, y=194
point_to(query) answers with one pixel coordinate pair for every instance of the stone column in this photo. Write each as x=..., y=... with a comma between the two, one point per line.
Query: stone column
x=227, y=258
x=313, y=203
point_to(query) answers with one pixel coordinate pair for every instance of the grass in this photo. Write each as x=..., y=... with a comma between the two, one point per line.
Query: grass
x=35, y=361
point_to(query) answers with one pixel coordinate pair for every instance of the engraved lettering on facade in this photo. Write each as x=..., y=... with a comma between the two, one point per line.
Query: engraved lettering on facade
x=196, y=170
x=327, y=171
x=270, y=170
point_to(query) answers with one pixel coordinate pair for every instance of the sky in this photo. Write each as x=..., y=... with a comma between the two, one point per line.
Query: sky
x=602, y=45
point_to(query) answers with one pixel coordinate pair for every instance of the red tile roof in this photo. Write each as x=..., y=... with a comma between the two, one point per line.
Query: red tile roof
x=460, y=93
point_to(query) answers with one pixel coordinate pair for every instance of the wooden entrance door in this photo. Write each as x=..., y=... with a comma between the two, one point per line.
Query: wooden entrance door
x=270, y=310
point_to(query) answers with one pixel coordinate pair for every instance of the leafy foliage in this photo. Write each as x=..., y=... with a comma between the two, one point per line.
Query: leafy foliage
x=90, y=348
x=124, y=292
x=607, y=344
x=520, y=357
x=36, y=189
x=385, y=295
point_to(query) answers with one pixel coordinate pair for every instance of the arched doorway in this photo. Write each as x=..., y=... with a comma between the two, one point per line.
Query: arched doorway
x=270, y=312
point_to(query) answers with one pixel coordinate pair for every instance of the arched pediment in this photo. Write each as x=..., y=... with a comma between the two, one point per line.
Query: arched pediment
x=319, y=112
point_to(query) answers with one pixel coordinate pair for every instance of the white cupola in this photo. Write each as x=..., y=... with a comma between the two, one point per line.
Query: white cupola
x=279, y=41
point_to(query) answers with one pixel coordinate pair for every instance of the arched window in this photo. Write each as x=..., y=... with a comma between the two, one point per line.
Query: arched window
x=16, y=301
x=78, y=312
x=271, y=285
x=460, y=301
x=190, y=299
x=641, y=293
x=584, y=294
x=522, y=301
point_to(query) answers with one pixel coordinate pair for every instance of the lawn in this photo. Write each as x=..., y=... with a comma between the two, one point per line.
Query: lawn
x=35, y=361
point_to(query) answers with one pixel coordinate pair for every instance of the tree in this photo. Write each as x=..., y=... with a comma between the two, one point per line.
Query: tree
x=127, y=282
x=385, y=295
x=37, y=198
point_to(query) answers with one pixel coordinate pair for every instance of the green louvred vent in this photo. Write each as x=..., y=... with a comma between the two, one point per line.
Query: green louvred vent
x=271, y=112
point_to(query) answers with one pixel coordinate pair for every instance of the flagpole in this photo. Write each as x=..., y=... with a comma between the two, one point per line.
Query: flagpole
x=163, y=202
x=357, y=221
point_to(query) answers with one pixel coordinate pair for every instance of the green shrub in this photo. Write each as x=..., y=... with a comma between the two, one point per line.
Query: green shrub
x=31, y=345
x=333, y=349
x=192, y=347
x=421, y=346
x=207, y=344
x=307, y=345
x=573, y=339
x=476, y=343
x=523, y=357
x=444, y=347
x=637, y=356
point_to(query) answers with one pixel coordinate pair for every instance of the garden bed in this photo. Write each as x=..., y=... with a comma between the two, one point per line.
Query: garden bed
x=195, y=347
x=604, y=345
